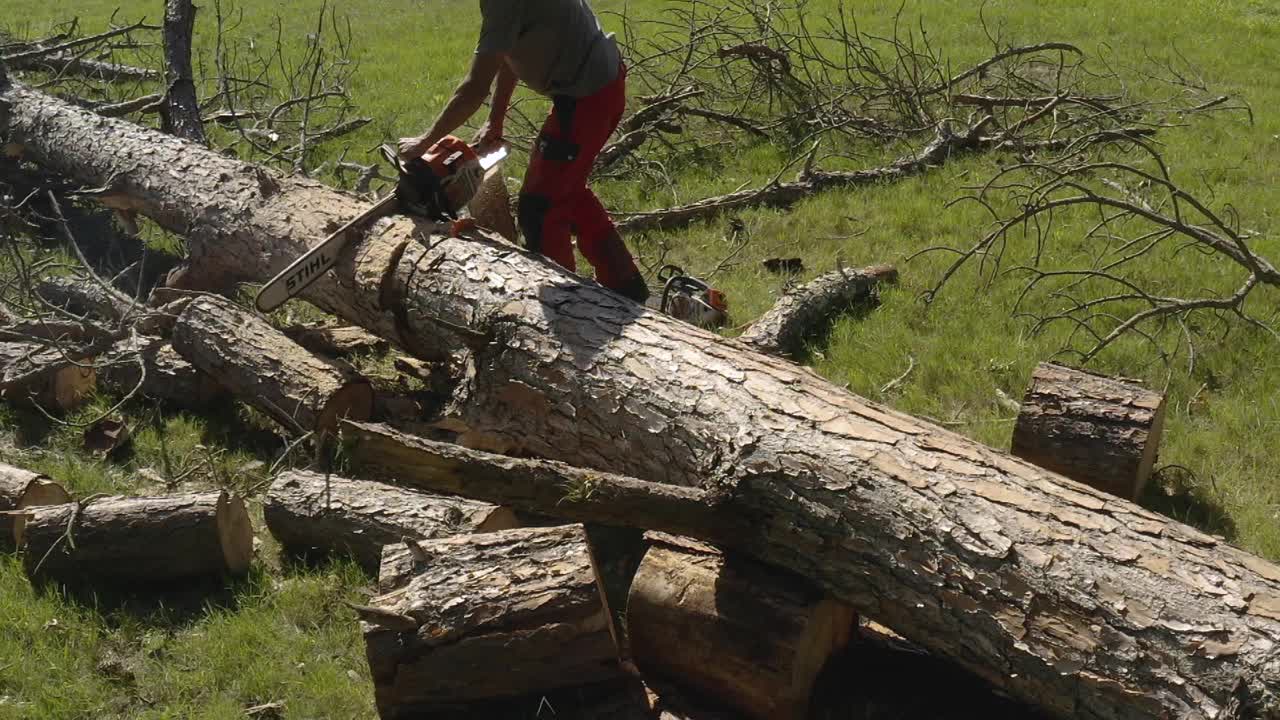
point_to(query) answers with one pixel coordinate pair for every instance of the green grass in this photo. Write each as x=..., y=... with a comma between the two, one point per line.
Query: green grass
x=247, y=648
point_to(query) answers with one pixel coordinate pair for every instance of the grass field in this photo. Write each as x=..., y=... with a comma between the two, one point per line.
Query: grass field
x=282, y=635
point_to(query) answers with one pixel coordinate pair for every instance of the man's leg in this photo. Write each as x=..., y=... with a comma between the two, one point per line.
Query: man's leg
x=555, y=194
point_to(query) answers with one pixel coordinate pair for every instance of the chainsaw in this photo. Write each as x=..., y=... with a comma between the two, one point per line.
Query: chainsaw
x=690, y=299
x=437, y=186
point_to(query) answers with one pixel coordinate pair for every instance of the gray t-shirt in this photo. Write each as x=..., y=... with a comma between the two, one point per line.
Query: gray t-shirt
x=556, y=47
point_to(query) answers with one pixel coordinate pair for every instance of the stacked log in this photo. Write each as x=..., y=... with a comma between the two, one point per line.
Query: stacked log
x=257, y=363
x=487, y=616
x=36, y=373
x=309, y=512
x=20, y=491
x=1062, y=596
x=1094, y=429
x=751, y=636
x=139, y=540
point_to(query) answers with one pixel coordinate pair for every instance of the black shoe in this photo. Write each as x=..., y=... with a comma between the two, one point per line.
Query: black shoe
x=635, y=288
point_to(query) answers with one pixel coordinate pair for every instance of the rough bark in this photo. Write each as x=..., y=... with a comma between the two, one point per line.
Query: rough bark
x=809, y=310
x=140, y=540
x=1095, y=429
x=310, y=512
x=44, y=375
x=82, y=298
x=264, y=368
x=753, y=637
x=336, y=342
x=489, y=615
x=180, y=114
x=1083, y=604
x=153, y=369
x=20, y=490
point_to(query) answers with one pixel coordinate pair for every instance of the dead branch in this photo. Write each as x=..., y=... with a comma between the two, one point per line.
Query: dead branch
x=1144, y=216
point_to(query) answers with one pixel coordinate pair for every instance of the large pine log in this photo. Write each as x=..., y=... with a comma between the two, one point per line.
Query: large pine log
x=753, y=637
x=1095, y=429
x=21, y=490
x=809, y=310
x=308, y=512
x=140, y=540
x=268, y=370
x=1078, y=602
x=489, y=615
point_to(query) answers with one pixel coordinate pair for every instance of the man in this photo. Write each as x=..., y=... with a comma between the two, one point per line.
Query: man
x=557, y=48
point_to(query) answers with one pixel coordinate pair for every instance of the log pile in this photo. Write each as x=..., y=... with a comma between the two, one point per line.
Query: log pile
x=20, y=492
x=1059, y=595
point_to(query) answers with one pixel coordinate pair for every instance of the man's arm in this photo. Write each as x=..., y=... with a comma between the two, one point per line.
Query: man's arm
x=467, y=98
x=491, y=134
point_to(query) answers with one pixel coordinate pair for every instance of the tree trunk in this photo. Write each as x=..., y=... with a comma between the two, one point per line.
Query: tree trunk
x=140, y=540
x=180, y=114
x=336, y=342
x=163, y=375
x=262, y=367
x=1094, y=429
x=307, y=512
x=41, y=374
x=750, y=636
x=809, y=310
x=21, y=490
x=496, y=614
x=1078, y=602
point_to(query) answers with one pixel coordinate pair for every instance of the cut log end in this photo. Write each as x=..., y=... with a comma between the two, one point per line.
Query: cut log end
x=235, y=531
x=22, y=490
x=353, y=401
x=40, y=492
x=752, y=636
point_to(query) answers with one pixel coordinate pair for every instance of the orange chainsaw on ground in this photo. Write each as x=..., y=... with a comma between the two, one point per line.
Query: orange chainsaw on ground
x=438, y=185
x=691, y=299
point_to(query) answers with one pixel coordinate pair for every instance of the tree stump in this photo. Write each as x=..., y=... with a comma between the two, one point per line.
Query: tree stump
x=308, y=512
x=487, y=616
x=140, y=540
x=753, y=637
x=1094, y=429
x=264, y=368
x=21, y=490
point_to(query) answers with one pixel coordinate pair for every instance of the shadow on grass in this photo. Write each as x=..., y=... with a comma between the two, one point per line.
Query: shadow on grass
x=1176, y=492
x=171, y=605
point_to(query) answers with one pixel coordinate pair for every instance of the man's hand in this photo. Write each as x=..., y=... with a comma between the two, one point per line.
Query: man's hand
x=488, y=136
x=412, y=147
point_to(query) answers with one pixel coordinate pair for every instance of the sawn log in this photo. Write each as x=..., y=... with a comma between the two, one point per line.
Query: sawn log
x=139, y=540
x=308, y=512
x=262, y=367
x=21, y=490
x=809, y=310
x=489, y=615
x=1069, y=599
x=1095, y=429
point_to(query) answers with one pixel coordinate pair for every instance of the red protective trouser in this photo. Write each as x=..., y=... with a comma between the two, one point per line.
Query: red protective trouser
x=555, y=200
